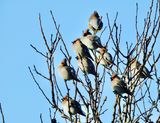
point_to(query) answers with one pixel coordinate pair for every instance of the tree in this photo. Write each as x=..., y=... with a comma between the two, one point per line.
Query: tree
x=139, y=105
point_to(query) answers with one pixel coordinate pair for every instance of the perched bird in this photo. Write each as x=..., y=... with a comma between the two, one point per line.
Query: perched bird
x=80, y=49
x=86, y=65
x=135, y=67
x=67, y=72
x=71, y=106
x=95, y=22
x=104, y=57
x=118, y=85
x=91, y=41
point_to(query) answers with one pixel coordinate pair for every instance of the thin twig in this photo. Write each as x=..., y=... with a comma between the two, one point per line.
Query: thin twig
x=39, y=87
x=3, y=120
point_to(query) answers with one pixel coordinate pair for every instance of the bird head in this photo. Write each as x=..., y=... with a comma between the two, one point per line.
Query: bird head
x=95, y=13
x=75, y=41
x=65, y=98
x=64, y=62
x=102, y=50
x=113, y=76
x=132, y=60
x=86, y=32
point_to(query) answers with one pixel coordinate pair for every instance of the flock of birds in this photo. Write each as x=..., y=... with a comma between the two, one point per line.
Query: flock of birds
x=82, y=46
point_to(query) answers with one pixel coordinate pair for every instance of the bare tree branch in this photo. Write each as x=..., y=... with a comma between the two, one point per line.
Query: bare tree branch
x=3, y=120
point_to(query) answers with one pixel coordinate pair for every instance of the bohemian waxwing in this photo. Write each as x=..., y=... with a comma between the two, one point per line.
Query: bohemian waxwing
x=80, y=49
x=67, y=72
x=136, y=65
x=118, y=85
x=104, y=57
x=86, y=65
x=91, y=41
x=95, y=22
x=73, y=107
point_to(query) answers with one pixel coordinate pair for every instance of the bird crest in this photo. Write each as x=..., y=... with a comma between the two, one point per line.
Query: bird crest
x=76, y=40
x=95, y=14
x=86, y=32
x=65, y=98
x=113, y=76
x=102, y=50
x=64, y=62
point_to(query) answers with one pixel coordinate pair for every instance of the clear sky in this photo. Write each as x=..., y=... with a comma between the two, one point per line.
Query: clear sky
x=19, y=27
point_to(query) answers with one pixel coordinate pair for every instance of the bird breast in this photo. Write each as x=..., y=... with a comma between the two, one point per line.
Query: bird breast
x=83, y=65
x=66, y=108
x=77, y=48
x=64, y=72
x=133, y=69
x=72, y=110
x=115, y=82
x=86, y=41
x=119, y=90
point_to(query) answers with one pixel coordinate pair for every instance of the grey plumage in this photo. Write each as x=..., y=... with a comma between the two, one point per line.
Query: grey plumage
x=86, y=65
x=67, y=72
x=118, y=85
x=91, y=41
x=80, y=49
x=72, y=107
x=95, y=22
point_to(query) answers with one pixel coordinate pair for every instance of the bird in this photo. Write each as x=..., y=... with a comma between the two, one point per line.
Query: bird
x=71, y=106
x=135, y=66
x=67, y=72
x=80, y=49
x=86, y=65
x=118, y=85
x=91, y=41
x=95, y=22
x=104, y=57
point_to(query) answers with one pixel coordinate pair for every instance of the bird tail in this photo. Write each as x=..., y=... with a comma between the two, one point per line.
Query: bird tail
x=82, y=113
x=150, y=76
x=89, y=56
x=94, y=73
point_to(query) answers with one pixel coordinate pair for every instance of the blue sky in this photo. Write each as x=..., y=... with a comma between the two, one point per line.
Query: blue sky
x=19, y=27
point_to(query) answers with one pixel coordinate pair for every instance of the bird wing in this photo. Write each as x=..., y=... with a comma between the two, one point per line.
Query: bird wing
x=72, y=71
x=90, y=63
x=97, y=40
x=146, y=72
x=107, y=56
x=122, y=84
x=100, y=24
x=91, y=67
x=86, y=51
x=75, y=104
